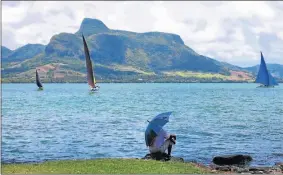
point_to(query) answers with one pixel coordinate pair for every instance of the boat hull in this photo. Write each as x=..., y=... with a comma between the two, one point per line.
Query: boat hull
x=262, y=86
x=94, y=89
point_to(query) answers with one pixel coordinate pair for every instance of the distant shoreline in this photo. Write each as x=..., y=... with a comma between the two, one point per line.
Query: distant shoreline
x=130, y=82
x=5, y=81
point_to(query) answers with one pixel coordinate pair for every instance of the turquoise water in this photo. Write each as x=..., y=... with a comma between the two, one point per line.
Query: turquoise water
x=66, y=122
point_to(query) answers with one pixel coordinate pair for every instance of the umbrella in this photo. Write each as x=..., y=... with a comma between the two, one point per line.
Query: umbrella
x=155, y=126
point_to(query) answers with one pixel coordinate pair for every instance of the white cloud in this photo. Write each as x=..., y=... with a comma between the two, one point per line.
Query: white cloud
x=13, y=14
x=228, y=31
x=250, y=8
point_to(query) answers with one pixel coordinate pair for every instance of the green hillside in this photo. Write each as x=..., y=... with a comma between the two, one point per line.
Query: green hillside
x=5, y=52
x=119, y=56
x=275, y=69
x=22, y=53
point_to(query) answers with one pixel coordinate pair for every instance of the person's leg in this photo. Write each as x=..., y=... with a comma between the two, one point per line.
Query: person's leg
x=169, y=150
x=167, y=146
x=172, y=142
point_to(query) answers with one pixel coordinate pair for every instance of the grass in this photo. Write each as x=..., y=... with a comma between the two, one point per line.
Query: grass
x=235, y=75
x=104, y=166
x=132, y=69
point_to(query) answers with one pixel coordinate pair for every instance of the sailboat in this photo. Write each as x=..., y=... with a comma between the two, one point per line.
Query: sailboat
x=90, y=75
x=38, y=83
x=264, y=77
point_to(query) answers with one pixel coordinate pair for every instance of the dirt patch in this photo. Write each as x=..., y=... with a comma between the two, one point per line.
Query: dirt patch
x=46, y=68
x=240, y=76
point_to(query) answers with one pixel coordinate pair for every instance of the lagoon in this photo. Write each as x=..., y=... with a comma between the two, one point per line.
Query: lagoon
x=66, y=122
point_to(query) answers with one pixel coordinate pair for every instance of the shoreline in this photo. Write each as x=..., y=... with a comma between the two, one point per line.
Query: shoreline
x=104, y=166
x=125, y=166
x=131, y=82
x=9, y=162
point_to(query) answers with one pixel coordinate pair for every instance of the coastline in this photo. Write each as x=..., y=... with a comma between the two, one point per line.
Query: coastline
x=131, y=166
x=129, y=82
x=105, y=166
x=132, y=80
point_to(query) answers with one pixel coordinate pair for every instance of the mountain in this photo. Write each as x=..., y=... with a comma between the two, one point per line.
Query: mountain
x=92, y=26
x=149, y=51
x=118, y=56
x=275, y=69
x=22, y=53
x=5, y=52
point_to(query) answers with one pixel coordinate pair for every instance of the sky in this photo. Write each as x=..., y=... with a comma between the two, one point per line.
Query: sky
x=234, y=32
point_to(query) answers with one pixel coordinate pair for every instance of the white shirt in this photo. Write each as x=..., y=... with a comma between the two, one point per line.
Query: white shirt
x=160, y=139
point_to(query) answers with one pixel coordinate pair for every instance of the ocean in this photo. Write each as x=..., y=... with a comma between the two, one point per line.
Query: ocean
x=64, y=121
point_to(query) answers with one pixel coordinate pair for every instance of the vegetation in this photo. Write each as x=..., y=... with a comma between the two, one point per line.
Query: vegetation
x=275, y=69
x=197, y=75
x=22, y=53
x=118, y=56
x=104, y=166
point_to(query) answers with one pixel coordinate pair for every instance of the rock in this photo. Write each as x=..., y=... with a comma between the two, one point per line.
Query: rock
x=214, y=171
x=258, y=168
x=157, y=156
x=162, y=157
x=239, y=169
x=176, y=159
x=276, y=169
x=148, y=156
x=223, y=168
x=242, y=170
x=279, y=165
x=266, y=170
x=257, y=172
x=232, y=160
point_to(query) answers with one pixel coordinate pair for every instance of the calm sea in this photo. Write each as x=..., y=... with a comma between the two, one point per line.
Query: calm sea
x=66, y=122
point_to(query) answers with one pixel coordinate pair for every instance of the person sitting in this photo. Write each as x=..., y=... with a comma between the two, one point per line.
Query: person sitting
x=162, y=142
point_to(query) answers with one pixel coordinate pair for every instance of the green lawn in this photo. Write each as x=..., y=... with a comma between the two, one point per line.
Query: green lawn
x=104, y=166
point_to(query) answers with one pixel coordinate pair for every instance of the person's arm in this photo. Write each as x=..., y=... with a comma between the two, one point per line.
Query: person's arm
x=165, y=134
x=168, y=136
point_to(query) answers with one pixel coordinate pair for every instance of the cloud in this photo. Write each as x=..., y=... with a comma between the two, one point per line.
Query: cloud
x=234, y=32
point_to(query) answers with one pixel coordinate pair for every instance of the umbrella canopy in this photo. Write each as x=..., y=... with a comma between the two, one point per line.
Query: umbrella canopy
x=155, y=126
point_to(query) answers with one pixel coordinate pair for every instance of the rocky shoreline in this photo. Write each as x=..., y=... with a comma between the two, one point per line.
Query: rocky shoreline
x=239, y=164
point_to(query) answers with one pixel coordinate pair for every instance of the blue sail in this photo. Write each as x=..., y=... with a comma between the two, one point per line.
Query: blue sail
x=263, y=76
x=272, y=81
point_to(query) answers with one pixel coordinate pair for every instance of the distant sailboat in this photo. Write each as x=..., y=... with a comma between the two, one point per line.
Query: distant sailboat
x=264, y=77
x=38, y=83
x=90, y=74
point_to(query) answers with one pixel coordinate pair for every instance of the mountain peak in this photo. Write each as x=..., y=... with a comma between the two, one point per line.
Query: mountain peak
x=91, y=26
x=5, y=52
x=24, y=52
x=168, y=36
